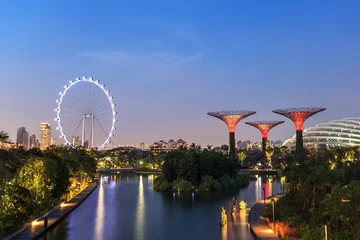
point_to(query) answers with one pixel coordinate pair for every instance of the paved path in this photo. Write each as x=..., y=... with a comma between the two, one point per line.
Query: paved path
x=258, y=226
x=36, y=230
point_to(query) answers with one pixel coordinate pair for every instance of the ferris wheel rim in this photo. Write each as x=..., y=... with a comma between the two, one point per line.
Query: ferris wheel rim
x=109, y=97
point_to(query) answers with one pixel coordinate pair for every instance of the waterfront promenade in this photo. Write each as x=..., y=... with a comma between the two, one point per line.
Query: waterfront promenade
x=258, y=226
x=36, y=229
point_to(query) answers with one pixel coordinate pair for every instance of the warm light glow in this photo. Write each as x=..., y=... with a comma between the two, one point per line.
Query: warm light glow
x=63, y=204
x=231, y=118
x=268, y=230
x=35, y=222
x=298, y=115
x=100, y=213
x=140, y=212
x=264, y=126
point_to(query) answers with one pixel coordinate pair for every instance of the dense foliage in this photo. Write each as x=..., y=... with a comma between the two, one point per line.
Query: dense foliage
x=323, y=188
x=194, y=169
x=33, y=181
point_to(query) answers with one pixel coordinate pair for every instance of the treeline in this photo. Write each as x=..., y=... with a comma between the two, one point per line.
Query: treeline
x=33, y=181
x=199, y=170
x=323, y=189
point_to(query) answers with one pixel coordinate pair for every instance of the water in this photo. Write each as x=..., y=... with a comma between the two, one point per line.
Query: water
x=126, y=207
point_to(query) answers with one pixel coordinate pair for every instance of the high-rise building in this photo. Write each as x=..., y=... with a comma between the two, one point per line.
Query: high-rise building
x=86, y=144
x=142, y=145
x=45, y=135
x=32, y=141
x=76, y=141
x=22, y=138
x=53, y=142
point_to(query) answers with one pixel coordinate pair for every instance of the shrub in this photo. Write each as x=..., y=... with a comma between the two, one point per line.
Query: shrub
x=183, y=185
x=161, y=184
x=206, y=184
x=216, y=185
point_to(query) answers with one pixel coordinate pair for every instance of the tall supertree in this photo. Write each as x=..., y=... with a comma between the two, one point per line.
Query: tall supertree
x=298, y=116
x=232, y=118
x=264, y=127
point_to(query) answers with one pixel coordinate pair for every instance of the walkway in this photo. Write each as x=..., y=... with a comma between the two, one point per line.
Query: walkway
x=36, y=229
x=258, y=226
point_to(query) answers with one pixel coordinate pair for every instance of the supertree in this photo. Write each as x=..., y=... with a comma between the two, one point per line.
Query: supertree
x=298, y=116
x=231, y=118
x=264, y=127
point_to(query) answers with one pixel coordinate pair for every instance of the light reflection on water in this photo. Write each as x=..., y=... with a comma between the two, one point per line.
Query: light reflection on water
x=126, y=207
x=140, y=212
x=99, y=227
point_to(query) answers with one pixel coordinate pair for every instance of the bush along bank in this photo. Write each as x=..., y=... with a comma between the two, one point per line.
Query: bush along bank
x=189, y=170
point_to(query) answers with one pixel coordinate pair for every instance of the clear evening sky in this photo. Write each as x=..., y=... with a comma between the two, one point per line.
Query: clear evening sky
x=168, y=63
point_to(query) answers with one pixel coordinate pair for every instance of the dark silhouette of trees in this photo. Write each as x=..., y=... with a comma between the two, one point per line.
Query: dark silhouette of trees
x=204, y=170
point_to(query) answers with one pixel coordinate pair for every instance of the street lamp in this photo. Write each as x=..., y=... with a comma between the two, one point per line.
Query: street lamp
x=264, y=196
x=273, y=208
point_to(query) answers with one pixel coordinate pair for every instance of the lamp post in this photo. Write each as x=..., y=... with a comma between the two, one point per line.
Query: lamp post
x=264, y=196
x=273, y=210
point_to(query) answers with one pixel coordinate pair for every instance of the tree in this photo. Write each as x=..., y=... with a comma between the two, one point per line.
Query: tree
x=38, y=176
x=224, y=147
x=4, y=137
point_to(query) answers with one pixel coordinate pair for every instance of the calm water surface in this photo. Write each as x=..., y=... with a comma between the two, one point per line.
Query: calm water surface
x=127, y=207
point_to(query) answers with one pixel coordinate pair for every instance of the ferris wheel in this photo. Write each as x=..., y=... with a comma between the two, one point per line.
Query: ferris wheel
x=85, y=114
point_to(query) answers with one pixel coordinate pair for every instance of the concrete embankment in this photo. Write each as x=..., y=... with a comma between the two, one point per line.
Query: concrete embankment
x=258, y=226
x=38, y=227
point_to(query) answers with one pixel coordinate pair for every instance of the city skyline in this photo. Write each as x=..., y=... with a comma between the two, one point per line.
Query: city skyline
x=167, y=69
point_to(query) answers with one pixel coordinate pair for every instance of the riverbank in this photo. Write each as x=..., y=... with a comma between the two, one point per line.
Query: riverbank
x=37, y=228
x=258, y=225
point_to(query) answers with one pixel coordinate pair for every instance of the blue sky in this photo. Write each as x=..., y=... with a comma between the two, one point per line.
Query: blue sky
x=168, y=63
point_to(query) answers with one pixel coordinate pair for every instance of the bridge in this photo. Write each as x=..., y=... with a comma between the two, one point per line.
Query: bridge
x=125, y=170
x=262, y=171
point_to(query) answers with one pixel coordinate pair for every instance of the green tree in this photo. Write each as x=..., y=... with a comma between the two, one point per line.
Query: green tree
x=38, y=176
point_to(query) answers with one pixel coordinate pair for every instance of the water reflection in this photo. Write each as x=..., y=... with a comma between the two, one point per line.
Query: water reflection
x=117, y=210
x=224, y=232
x=100, y=212
x=140, y=211
x=244, y=229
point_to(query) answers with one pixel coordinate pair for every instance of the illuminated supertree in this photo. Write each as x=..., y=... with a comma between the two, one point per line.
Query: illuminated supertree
x=298, y=116
x=231, y=118
x=264, y=127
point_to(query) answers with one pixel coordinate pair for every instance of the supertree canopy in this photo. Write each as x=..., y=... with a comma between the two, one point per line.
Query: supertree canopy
x=232, y=118
x=298, y=116
x=264, y=127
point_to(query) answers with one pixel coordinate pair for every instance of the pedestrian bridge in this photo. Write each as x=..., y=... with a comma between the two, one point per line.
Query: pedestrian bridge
x=116, y=170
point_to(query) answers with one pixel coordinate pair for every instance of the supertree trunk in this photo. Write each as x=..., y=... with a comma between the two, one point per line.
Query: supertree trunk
x=298, y=116
x=264, y=146
x=232, y=118
x=232, y=149
x=264, y=127
x=299, y=140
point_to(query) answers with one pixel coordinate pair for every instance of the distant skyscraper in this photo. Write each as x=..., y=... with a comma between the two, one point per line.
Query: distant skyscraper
x=76, y=141
x=45, y=135
x=142, y=145
x=86, y=144
x=53, y=142
x=32, y=141
x=22, y=138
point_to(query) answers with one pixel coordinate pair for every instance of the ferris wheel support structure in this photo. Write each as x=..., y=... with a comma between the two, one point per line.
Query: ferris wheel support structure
x=83, y=130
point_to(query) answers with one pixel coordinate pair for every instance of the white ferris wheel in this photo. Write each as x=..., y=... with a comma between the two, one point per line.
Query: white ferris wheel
x=85, y=114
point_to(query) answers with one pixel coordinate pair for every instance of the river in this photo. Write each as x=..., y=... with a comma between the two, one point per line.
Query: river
x=127, y=207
